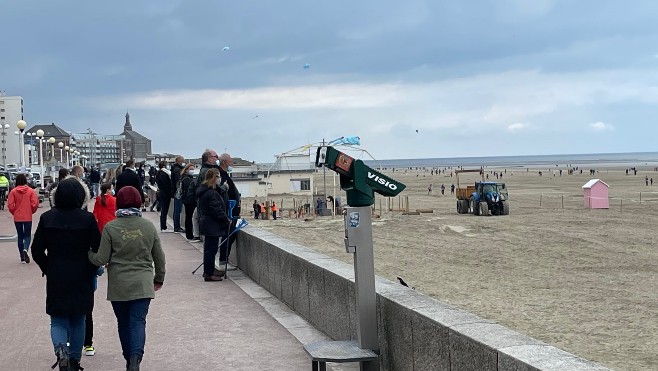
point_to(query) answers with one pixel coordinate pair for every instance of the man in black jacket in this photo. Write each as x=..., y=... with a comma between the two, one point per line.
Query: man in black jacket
x=95, y=179
x=176, y=170
x=164, y=194
x=129, y=177
x=225, y=168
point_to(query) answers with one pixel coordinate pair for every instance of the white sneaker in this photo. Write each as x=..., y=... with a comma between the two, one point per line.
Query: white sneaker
x=166, y=231
x=89, y=351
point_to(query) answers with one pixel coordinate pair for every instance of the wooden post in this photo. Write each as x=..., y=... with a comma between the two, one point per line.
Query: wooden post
x=380, y=207
x=563, y=201
x=540, y=197
x=406, y=198
x=640, y=198
x=621, y=206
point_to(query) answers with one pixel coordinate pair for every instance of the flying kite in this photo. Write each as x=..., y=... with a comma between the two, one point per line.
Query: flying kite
x=346, y=140
x=416, y=130
x=226, y=48
x=307, y=66
x=255, y=117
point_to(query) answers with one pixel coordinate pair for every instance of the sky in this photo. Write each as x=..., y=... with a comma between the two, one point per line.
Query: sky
x=411, y=79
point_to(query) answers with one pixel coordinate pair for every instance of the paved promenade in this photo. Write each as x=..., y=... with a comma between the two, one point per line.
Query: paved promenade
x=192, y=324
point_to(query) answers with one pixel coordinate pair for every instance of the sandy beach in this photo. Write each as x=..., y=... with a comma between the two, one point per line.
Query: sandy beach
x=583, y=280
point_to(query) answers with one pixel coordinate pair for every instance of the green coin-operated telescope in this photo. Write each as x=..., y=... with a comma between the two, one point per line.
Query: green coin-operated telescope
x=356, y=178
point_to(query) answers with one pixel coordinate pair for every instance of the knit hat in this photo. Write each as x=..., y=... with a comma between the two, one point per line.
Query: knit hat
x=128, y=197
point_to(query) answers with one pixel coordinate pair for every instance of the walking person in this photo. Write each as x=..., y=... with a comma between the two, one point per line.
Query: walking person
x=104, y=210
x=22, y=203
x=213, y=221
x=164, y=194
x=136, y=271
x=95, y=179
x=176, y=187
x=63, y=237
x=274, y=210
x=188, y=199
x=128, y=177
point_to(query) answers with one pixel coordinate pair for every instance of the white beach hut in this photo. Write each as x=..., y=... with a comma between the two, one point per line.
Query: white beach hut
x=595, y=194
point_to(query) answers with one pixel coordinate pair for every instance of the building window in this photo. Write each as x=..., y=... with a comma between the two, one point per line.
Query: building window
x=305, y=185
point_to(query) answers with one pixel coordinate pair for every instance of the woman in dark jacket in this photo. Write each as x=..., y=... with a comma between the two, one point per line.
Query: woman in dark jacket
x=189, y=200
x=63, y=237
x=213, y=221
x=164, y=194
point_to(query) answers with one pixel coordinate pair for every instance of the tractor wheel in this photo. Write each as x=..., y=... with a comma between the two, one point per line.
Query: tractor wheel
x=484, y=209
x=505, y=208
x=459, y=206
x=474, y=208
x=464, y=206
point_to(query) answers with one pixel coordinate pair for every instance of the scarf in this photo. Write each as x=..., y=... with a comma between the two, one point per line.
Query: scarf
x=132, y=211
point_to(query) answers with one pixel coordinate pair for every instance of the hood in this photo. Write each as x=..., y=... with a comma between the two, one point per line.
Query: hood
x=201, y=190
x=71, y=193
x=23, y=189
x=166, y=171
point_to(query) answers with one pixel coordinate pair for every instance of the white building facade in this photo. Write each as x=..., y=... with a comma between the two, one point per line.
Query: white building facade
x=11, y=111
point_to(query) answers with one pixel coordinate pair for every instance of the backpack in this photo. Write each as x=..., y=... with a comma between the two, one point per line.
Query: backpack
x=179, y=191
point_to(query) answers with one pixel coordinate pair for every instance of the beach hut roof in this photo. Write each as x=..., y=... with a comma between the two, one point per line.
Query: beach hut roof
x=594, y=181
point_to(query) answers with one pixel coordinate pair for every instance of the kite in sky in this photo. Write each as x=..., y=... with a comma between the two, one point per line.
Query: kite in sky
x=346, y=140
x=226, y=48
x=307, y=66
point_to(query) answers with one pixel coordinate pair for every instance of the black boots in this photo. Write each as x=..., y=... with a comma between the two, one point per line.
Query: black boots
x=74, y=365
x=62, y=353
x=64, y=362
x=133, y=363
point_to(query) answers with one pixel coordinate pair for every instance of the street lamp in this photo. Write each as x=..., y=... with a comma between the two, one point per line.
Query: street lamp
x=52, y=141
x=21, y=125
x=66, y=148
x=4, y=145
x=61, y=157
x=40, y=136
x=72, y=152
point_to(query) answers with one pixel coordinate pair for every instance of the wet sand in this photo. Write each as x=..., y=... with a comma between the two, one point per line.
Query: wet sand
x=583, y=280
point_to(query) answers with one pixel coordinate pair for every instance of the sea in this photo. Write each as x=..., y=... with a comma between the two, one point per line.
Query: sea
x=572, y=160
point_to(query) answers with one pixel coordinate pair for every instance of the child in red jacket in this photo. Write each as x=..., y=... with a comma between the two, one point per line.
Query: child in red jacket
x=105, y=207
x=23, y=202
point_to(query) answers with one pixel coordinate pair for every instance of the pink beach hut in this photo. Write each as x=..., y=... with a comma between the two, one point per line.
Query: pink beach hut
x=595, y=194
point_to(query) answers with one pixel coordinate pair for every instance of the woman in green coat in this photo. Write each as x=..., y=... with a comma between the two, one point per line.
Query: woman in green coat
x=131, y=247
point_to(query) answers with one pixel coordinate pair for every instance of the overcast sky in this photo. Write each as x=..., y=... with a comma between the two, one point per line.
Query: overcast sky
x=411, y=78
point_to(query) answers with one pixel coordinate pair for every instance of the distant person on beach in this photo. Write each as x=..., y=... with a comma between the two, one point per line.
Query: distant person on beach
x=256, y=207
x=429, y=189
x=646, y=180
x=452, y=189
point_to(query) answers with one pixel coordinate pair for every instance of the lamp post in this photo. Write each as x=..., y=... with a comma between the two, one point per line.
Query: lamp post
x=61, y=156
x=21, y=125
x=40, y=136
x=52, y=141
x=72, y=152
x=4, y=145
x=66, y=148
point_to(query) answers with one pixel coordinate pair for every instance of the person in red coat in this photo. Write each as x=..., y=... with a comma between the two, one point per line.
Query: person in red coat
x=105, y=207
x=22, y=203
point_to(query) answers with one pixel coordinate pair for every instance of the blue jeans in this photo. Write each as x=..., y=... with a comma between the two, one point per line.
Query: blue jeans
x=131, y=319
x=68, y=329
x=210, y=247
x=95, y=189
x=24, y=231
x=178, y=207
